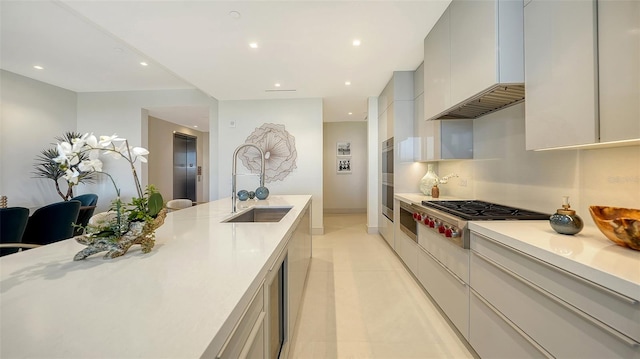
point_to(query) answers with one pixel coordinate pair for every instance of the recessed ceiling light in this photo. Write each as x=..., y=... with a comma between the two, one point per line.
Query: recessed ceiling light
x=196, y=126
x=347, y=83
x=277, y=85
x=144, y=63
x=38, y=67
x=234, y=14
x=356, y=42
x=253, y=45
x=350, y=113
x=118, y=50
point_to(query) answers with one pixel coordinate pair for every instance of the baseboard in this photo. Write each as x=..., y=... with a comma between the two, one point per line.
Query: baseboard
x=373, y=230
x=344, y=210
x=317, y=231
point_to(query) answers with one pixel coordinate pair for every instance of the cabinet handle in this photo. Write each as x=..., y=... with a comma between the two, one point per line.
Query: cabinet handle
x=623, y=338
x=445, y=268
x=506, y=320
x=574, y=276
x=252, y=336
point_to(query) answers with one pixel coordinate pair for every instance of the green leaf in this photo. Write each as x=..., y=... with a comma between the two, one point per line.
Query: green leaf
x=155, y=204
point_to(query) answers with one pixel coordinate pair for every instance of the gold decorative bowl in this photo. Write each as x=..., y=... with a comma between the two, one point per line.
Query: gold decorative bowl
x=620, y=225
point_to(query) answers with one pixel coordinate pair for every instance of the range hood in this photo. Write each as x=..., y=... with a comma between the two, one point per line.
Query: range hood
x=493, y=99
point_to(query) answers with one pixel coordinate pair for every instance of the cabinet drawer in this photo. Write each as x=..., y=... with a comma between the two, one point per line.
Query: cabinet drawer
x=238, y=339
x=407, y=249
x=612, y=308
x=560, y=328
x=455, y=258
x=450, y=292
x=493, y=336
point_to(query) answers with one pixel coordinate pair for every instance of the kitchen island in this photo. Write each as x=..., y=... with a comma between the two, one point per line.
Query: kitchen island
x=183, y=299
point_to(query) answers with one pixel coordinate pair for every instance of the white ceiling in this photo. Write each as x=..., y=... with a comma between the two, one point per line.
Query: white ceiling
x=306, y=46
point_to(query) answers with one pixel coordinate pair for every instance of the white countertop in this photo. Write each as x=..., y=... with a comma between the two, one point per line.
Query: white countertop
x=417, y=198
x=172, y=302
x=589, y=254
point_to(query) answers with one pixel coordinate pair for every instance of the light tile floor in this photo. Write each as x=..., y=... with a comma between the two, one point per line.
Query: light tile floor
x=360, y=302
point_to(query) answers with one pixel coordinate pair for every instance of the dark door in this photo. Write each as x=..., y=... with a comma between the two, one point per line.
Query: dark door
x=184, y=166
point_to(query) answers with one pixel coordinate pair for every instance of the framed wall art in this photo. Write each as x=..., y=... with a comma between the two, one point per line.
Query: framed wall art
x=343, y=148
x=343, y=165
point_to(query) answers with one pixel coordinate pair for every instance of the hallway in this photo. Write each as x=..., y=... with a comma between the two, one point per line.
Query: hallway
x=360, y=301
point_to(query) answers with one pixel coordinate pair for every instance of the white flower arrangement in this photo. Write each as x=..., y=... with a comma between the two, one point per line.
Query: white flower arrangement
x=70, y=156
x=125, y=224
x=444, y=179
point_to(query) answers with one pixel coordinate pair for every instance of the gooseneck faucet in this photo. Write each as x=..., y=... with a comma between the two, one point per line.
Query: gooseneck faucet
x=233, y=172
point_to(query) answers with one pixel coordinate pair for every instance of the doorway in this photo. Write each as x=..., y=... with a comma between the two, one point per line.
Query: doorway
x=184, y=166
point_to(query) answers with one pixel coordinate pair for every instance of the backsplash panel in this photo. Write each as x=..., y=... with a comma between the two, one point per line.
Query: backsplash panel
x=502, y=171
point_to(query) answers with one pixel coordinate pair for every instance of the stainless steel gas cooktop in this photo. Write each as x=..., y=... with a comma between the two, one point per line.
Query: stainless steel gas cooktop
x=480, y=210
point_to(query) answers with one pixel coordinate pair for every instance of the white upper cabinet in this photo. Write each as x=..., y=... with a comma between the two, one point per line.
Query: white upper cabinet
x=437, y=68
x=619, y=69
x=446, y=140
x=438, y=140
x=582, y=72
x=561, y=73
x=475, y=46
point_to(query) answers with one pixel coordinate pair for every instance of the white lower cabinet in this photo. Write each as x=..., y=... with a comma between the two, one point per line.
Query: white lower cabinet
x=386, y=229
x=442, y=270
x=407, y=249
x=244, y=336
x=299, y=259
x=255, y=345
x=450, y=293
x=525, y=293
x=492, y=335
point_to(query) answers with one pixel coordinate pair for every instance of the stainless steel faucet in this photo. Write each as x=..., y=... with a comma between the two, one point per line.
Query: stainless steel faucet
x=233, y=172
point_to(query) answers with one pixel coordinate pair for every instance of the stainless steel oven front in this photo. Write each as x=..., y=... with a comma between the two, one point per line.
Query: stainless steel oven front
x=408, y=223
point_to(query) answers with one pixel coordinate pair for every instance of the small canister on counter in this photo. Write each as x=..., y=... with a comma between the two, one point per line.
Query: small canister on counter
x=565, y=220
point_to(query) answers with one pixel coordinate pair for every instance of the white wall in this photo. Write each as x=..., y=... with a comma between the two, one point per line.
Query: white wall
x=123, y=113
x=160, y=166
x=212, y=147
x=373, y=184
x=345, y=193
x=33, y=114
x=302, y=118
x=503, y=172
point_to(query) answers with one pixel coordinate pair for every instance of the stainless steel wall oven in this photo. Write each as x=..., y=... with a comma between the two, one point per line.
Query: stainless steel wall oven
x=387, y=178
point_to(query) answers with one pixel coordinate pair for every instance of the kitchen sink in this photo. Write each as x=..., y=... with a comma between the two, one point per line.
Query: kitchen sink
x=267, y=214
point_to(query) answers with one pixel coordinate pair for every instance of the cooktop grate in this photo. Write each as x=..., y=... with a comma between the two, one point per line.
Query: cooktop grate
x=480, y=210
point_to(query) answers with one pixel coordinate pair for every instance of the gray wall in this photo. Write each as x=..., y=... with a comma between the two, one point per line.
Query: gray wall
x=33, y=114
x=344, y=193
x=125, y=114
x=161, y=157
